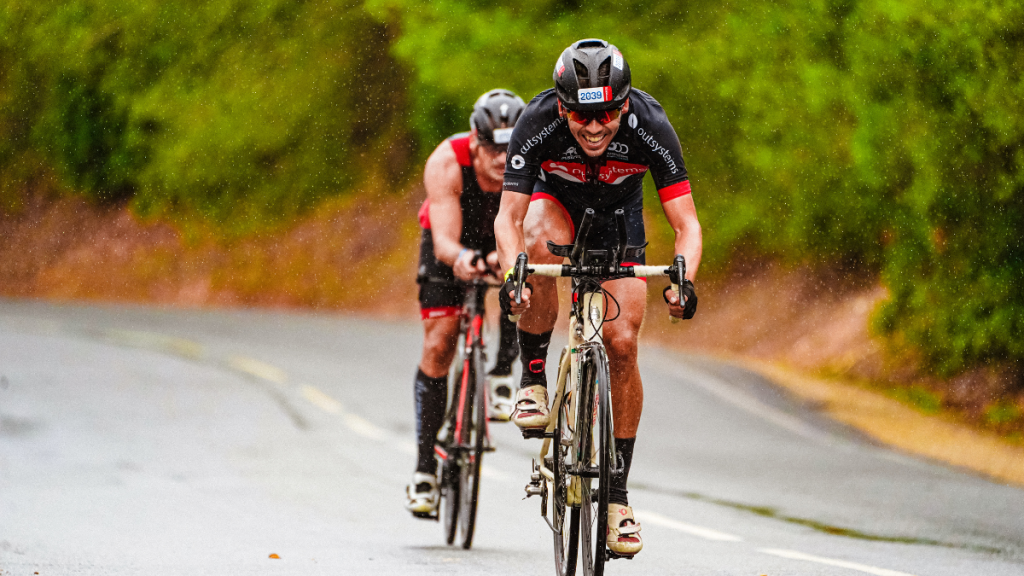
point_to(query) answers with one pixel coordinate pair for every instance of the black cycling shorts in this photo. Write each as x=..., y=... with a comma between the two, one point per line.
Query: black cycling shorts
x=603, y=233
x=440, y=293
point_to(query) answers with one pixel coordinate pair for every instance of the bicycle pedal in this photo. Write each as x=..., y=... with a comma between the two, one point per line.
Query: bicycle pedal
x=427, y=515
x=529, y=433
x=613, y=556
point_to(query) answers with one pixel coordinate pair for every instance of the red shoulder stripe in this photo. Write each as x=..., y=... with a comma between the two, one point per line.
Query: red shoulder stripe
x=674, y=191
x=424, y=215
x=461, y=148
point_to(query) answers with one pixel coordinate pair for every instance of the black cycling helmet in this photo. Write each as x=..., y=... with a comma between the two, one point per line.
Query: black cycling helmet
x=494, y=115
x=592, y=75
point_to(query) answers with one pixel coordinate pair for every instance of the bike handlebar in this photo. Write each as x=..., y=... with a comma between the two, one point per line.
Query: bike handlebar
x=579, y=268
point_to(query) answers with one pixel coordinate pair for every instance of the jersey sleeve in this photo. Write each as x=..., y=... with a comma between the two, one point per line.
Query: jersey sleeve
x=658, y=139
x=532, y=131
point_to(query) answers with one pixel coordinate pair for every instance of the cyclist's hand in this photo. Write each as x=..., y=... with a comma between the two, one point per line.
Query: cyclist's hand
x=493, y=264
x=689, y=306
x=507, y=298
x=466, y=269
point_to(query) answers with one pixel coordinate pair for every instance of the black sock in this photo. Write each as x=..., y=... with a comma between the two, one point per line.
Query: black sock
x=533, y=350
x=617, y=492
x=430, y=395
x=508, y=348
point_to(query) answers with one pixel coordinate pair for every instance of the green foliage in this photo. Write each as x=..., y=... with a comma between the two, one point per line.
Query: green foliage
x=241, y=112
x=1002, y=413
x=919, y=397
x=883, y=135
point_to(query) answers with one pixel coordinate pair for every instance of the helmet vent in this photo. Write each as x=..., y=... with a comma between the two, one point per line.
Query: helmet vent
x=582, y=74
x=591, y=44
x=604, y=72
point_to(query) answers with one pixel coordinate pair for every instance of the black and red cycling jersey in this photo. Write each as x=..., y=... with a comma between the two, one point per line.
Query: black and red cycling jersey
x=543, y=148
x=479, y=208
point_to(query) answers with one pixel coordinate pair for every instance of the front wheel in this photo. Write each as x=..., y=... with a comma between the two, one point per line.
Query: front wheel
x=566, y=534
x=597, y=448
x=451, y=469
x=473, y=442
x=450, y=472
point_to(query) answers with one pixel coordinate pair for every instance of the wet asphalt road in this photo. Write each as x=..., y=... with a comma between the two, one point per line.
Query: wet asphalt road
x=146, y=441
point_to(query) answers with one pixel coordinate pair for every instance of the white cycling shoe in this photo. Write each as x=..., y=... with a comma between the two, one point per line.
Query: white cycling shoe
x=623, y=531
x=501, y=398
x=423, y=495
x=531, y=407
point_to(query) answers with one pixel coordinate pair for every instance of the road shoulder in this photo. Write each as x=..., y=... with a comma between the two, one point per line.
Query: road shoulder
x=898, y=425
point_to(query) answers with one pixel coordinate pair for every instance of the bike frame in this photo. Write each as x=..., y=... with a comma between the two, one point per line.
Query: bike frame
x=582, y=333
x=470, y=333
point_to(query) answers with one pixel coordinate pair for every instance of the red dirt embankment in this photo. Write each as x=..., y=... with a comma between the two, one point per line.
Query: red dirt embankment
x=361, y=255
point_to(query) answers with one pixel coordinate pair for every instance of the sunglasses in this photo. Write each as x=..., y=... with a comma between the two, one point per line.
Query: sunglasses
x=602, y=116
x=493, y=148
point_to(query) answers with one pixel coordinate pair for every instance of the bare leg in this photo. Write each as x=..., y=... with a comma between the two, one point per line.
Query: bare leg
x=439, y=336
x=544, y=221
x=620, y=339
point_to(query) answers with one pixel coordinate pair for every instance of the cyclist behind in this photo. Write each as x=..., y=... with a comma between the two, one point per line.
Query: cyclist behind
x=587, y=144
x=463, y=178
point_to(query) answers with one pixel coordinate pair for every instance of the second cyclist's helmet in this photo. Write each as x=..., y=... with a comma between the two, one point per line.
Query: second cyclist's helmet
x=494, y=115
x=592, y=75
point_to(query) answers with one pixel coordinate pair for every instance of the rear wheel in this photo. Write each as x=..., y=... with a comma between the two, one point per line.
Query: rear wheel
x=595, y=430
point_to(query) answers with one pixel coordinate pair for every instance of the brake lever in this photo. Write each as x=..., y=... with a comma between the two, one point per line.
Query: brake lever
x=519, y=280
x=676, y=277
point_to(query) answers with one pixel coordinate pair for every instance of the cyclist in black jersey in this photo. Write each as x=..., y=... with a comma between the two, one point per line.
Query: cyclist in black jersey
x=463, y=179
x=587, y=143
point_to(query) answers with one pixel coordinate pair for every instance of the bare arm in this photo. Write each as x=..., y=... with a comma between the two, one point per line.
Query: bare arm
x=442, y=178
x=682, y=216
x=508, y=227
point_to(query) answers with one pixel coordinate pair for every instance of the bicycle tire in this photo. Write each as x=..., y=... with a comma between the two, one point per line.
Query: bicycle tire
x=450, y=466
x=474, y=435
x=566, y=537
x=594, y=513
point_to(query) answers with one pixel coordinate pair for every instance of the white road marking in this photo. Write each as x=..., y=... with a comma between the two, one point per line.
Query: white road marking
x=644, y=516
x=157, y=342
x=794, y=555
x=364, y=427
x=259, y=369
x=321, y=400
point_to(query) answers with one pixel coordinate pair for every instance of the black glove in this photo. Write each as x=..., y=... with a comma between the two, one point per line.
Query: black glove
x=690, y=308
x=504, y=300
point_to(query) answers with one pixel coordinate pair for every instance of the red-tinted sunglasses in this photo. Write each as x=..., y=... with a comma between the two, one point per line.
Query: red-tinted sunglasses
x=602, y=116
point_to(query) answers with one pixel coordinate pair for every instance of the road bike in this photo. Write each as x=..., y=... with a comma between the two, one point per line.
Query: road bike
x=465, y=437
x=572, y=474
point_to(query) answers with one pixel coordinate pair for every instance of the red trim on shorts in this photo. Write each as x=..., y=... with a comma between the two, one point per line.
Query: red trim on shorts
x=674, y=191
x=461, y=148
x=440, y=312
x=634, y=264
x=545, y=196
x=424, y=215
